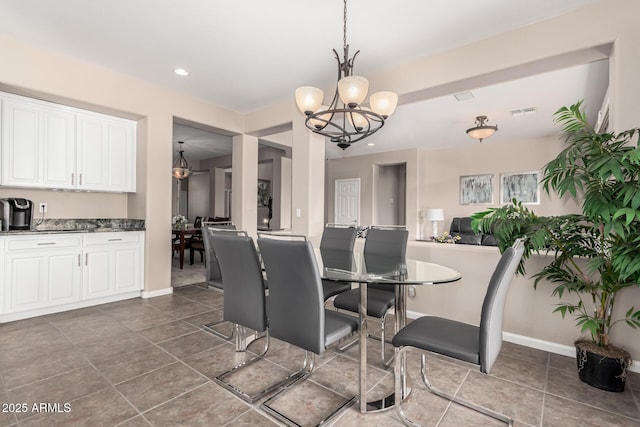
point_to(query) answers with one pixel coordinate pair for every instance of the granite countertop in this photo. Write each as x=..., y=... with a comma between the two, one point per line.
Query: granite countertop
x=68, y=225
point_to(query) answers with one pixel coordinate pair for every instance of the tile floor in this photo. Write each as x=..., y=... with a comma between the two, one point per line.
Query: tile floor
x=148, y=362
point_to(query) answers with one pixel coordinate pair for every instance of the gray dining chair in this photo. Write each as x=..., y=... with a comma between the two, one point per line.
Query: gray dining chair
x=384, y=248
x=244, y=302
x=479, y=345
x=295, y=309
x=336, y=248
x=214, y=278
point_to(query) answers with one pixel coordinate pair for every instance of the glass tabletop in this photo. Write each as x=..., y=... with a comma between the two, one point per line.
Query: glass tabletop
x=356, y=267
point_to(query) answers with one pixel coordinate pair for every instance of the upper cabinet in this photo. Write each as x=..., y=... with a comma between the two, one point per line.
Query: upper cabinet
x=106, y=153
x=46, y=145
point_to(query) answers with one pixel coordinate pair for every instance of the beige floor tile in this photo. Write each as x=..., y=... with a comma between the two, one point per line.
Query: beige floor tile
x=103, y=408
x=568, y=385
x=129, y=365
x=107, y=347
x=566, y=413
x=155, y=388
x=207, y=405
x=167, y=331
x=61, y=389
x=190, y=344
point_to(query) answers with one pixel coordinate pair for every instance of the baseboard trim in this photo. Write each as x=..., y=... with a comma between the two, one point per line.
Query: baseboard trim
x=158, y=293
x=551, y=347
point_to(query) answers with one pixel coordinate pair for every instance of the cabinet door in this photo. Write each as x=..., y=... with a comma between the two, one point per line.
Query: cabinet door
x=121, y=156
x=128, y=266
x=58, y=149
x=106, y=150
x=98, y=280
x=42, y=279
x=92, y=152
x=25, y=278
x=21, y=125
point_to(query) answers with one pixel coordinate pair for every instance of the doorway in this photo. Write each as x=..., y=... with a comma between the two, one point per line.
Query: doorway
x=390, y=200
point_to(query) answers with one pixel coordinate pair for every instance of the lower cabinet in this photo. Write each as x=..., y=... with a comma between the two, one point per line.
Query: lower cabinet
x=43, y=272
x=112, y=264
x=39, y=273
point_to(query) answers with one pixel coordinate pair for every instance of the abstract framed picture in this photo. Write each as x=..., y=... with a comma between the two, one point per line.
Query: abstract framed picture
x=522, y=186
x=476, y=189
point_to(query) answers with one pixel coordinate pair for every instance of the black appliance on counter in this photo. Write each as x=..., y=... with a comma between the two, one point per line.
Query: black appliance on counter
x=16, y=214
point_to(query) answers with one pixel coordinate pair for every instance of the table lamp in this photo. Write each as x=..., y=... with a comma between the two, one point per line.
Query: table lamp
x=434, y=215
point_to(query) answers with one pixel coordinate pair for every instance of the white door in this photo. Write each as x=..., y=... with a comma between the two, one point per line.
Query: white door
x=347, y=201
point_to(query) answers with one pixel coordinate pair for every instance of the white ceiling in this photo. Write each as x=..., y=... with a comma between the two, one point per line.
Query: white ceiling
x=245, y=55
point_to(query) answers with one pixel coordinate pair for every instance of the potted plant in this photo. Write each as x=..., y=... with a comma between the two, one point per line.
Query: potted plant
x=596, y=253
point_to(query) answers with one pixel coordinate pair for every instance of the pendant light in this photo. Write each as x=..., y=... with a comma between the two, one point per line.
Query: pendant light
x=481, y=130
x=181, y=168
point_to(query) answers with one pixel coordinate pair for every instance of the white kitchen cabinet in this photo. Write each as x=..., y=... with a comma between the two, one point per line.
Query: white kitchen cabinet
x=41, y=271
x=113, y=264
x=46, y=273
x=38, y=144
x=106, y=153
x=46, y=145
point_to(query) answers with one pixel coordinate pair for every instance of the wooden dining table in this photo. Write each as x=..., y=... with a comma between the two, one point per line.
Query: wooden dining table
x=363, y=270
x=183, y=234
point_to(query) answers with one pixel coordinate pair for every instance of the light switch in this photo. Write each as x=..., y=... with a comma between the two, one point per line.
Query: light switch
x=298, y=212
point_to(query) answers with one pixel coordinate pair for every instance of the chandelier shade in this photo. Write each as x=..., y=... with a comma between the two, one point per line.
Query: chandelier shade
x=345, y=120
x=481, y=130
x=181, y=168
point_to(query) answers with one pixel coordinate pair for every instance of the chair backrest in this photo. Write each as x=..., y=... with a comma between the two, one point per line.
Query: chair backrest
x=493, y=305
x=197, y=223
x=244, y=294
x=338, y=238
x=295, y=306
x=214, y=278
x=384, y=248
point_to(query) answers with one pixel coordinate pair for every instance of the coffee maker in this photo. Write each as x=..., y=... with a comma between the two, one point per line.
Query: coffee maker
x=16, y=214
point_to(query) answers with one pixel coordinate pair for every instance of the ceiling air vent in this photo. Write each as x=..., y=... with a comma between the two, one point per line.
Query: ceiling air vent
x=520, y=112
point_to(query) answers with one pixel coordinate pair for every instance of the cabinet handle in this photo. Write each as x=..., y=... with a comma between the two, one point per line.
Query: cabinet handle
x=80, y=179
x=114, y=240
x=86, y=259
x=79, y=261
x=46, y=243
x=73, y=178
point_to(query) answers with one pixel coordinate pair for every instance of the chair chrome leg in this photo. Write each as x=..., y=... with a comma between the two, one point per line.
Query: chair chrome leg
x=249, y=398
x=209, y=327
x=423, y=373
x=305, y=371
x=400, y=374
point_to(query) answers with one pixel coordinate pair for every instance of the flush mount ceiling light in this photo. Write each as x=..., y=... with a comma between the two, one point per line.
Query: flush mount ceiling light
x=181, y=168
x=345, y=121
x=181, y=72
x=481, y=130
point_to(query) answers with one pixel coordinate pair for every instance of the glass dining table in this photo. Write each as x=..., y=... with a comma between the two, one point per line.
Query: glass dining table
x=361, y=269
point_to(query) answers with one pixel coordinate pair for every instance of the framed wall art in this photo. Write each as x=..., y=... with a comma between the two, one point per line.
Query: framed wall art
x=476, y=189
x=523, y=186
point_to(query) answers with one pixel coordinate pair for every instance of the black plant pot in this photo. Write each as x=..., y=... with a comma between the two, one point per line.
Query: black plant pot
x=602, y=371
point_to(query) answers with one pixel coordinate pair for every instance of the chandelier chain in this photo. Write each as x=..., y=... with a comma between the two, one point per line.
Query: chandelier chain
x=344, y=37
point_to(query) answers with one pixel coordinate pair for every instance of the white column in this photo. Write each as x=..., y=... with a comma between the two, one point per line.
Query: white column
x=307, y=176
x=244, y=183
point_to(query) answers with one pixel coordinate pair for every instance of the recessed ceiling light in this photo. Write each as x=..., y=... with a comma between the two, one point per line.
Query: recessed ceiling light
x=181, y=72
x=371, y=144
x=464, y=96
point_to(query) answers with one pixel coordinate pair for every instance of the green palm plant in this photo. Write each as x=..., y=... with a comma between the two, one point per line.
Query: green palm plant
x=596, y=253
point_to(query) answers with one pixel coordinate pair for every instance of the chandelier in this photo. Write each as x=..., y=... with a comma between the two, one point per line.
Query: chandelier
x=181, y=168
x=345, y=121
x=481, y=130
